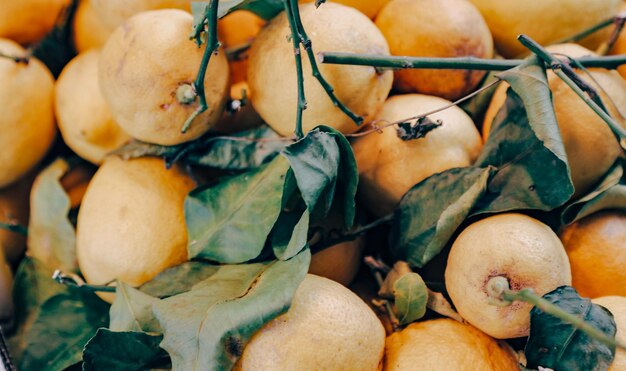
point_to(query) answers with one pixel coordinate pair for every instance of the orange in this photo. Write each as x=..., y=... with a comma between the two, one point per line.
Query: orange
x=368, y=7
x=435, y=28
x=596, y=247
x=28, y=21
x=445, y=344
x=617, y=306
x=88, y=31
x=237, y=30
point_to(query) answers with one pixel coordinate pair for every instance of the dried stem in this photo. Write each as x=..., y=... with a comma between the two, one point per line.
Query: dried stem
x=606, y=47
x=559, y=68
x=352, y=235
x=467, y=63
x=212, y=46
x=15, y=58
x=370, y=262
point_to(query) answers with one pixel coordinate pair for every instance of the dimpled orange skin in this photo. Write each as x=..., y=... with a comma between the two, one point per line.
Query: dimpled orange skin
x=368, y=7
x=515, y=246
x=88, y=31
x=27, y=120
x=143, y=64
x=131, y=224
x=445, y=344
x=389, y=167
x=617, y=306
x=272, y=70
x=435, y=28
x=596, y=247
x=28, y=21
x=327, y=327
x=546, y=21
x=83, y=115
x=589, y=143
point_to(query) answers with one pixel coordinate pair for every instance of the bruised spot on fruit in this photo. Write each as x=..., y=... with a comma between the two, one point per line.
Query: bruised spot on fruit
x=234, y=346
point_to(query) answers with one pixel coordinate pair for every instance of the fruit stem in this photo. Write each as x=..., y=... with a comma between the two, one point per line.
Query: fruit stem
x=16, y=228
x=295, y=38
x=75, y=281
x=212, y=46
x=466, y=63
x=14, y=58
x=619, y=22
x=374, y=267
x=565, y=73
x=498, y=289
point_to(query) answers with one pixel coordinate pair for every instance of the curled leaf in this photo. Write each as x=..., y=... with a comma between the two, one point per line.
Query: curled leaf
x=410, y=298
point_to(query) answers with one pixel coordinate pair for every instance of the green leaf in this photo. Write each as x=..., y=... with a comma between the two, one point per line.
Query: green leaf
x=245, y=150
x=314, y=160
x=266, y=9
x=560, y=346
x=178, y=279
x=208, y=327
x=348, y=178
x=609, y=194
x=525, y=146
x=131, y=351
x=423, y=224
x=62, y=328
x=477, y=106
x=411, y=296
x=132, y=311
x=33, y=285
x=230, y=221
x=51, y=236
x=290, y=234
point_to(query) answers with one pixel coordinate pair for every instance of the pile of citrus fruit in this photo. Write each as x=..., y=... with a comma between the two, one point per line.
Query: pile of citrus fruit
x=313, y=185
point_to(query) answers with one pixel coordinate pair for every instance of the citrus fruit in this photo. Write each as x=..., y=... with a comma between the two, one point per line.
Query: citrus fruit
x=88, y=31
x=75, y=182
x=596, y=247
x=617, y=306
x=28, y=21
x=83, y=115
x=387, y=164
x=368, y=7
x=445, y=344
x=589, y=143
x=27, y=120
x=145, y=63
x=14, y=209
x=244, y=118
x=435, y=28
x=327, y=327
x=272, y=70
x=517, y=247
x=546, y=21
x=131, y=224
x=237, y=30
x=113, y=13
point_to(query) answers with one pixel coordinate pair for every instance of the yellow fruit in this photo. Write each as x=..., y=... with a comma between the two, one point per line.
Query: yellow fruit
x=75, y=182
x=236, y=30
x=389, y=167
x=523, y=250
x=327, y=328
x=88, y=31
x=368, y=7
x=617, y=306
x=83, y=115
x=546, y=21
x=14, y=209
x=27, y=120
x=272, y=70
x=6, y=296
x=435, y=28
x=339, y=262
x=113, y=13
x=142, y=67
x=131, y=224
x=445, y=344
x=589, y=143
x=596, y=247
x=28, y=21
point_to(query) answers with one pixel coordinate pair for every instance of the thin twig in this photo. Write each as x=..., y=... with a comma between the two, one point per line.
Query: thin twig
x=618, y=21
x=15, y=58
x=558, y=67
x=308, y=47
x=395, y=323
x=589, y=31
x=295, y=38
x=212, y=46
x=352, y=235
x=466, y=63
x=75, y=281
x=379, y=128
